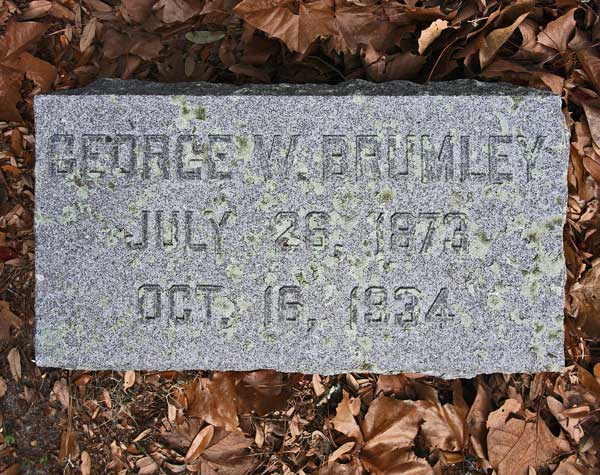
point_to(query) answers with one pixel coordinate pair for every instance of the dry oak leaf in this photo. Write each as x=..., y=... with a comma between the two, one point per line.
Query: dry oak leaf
x=557, y=33
x=479, y=412
x=585, y=294
x=354, y=467
x=226, y=454
x=570, y=424
x=143, y=45
x=15, y=62
x=14, y=362
x=199, y=443
x=516, y=444
x=262, y=391
x=495, y=40
x=429, y=34
x=216, y=402
x=588, y=57
x=86, y=463
x=389, y=429
x=444, y=427
x=174, y=11
x=137, y=10
x=344, y=421
x=8, y=315
x=279, y=19
x=572, y=466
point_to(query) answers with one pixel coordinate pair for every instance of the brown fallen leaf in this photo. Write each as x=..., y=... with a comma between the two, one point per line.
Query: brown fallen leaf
x=389, y=429
x=344, y=421
x=3, y=387
x=14, y=362
x=36, y=9
x=128, y=380
x=226, y=454
x=174, y=11
x=276, y=18
x=69, y=447
x=495, y=40
x=61, y=392
x=444, y=427
x=216, y=402
x=353, y=467
x=429, y=34
x=340, y=451
x=88, y=35
x=518, y=440
x=479, y=412
x=199, y=443
x=86, y=463
x=572, y=466
x=557, y=33
x=137, y=10
x=570, y=424
x=146, y=466
x=8, y=316
x=16, y=62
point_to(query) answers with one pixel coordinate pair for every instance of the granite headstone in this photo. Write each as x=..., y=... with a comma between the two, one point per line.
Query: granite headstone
x=358, y=227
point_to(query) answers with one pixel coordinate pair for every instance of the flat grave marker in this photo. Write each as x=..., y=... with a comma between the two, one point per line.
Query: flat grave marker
x=320, y=229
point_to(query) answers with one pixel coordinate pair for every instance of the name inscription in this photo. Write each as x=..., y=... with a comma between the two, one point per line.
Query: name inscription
x=447, y=158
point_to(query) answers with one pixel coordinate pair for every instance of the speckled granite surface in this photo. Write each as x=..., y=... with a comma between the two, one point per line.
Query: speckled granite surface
x=357, y=227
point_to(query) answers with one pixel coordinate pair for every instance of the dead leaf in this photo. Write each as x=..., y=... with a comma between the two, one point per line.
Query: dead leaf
x=570, y=424
x=479, y=411
x=146, y=465
x=389, y=429
x=518, y=441
x=317, y=385
x=137, y=10
x=344, y=421
x=199, y=443
x=444, y=427
x=36, y=9
x=572, y=465
x=89, y=32
x=495, y=40
x=227, y=454
x=216, y=403
x=174, y=11
x=429, y=34
x=557, y=33
x=276, y=18
x=86, y=463
x=61, y=392
x=7, y=315
x=263, y=392
x=3, y=387
x=14, y=361
x=340, y=451
x=69, y=448
x=128, y=380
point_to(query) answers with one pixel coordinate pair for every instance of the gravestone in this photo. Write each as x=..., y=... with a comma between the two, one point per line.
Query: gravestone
x=356, y=227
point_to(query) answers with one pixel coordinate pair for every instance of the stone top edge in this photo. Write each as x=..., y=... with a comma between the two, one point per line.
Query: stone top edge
x=460, y=87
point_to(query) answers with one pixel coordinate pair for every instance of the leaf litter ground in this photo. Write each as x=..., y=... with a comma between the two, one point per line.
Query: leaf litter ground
x=262, y=422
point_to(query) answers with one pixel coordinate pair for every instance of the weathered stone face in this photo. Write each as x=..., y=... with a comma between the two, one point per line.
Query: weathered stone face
x=324, y=229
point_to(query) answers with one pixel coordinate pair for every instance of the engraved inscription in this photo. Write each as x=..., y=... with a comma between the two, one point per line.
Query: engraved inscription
x=292, y=231
x=180, y=303
x=400, y=306
x=423, y=233
x=443, y=157
x=179, y=229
